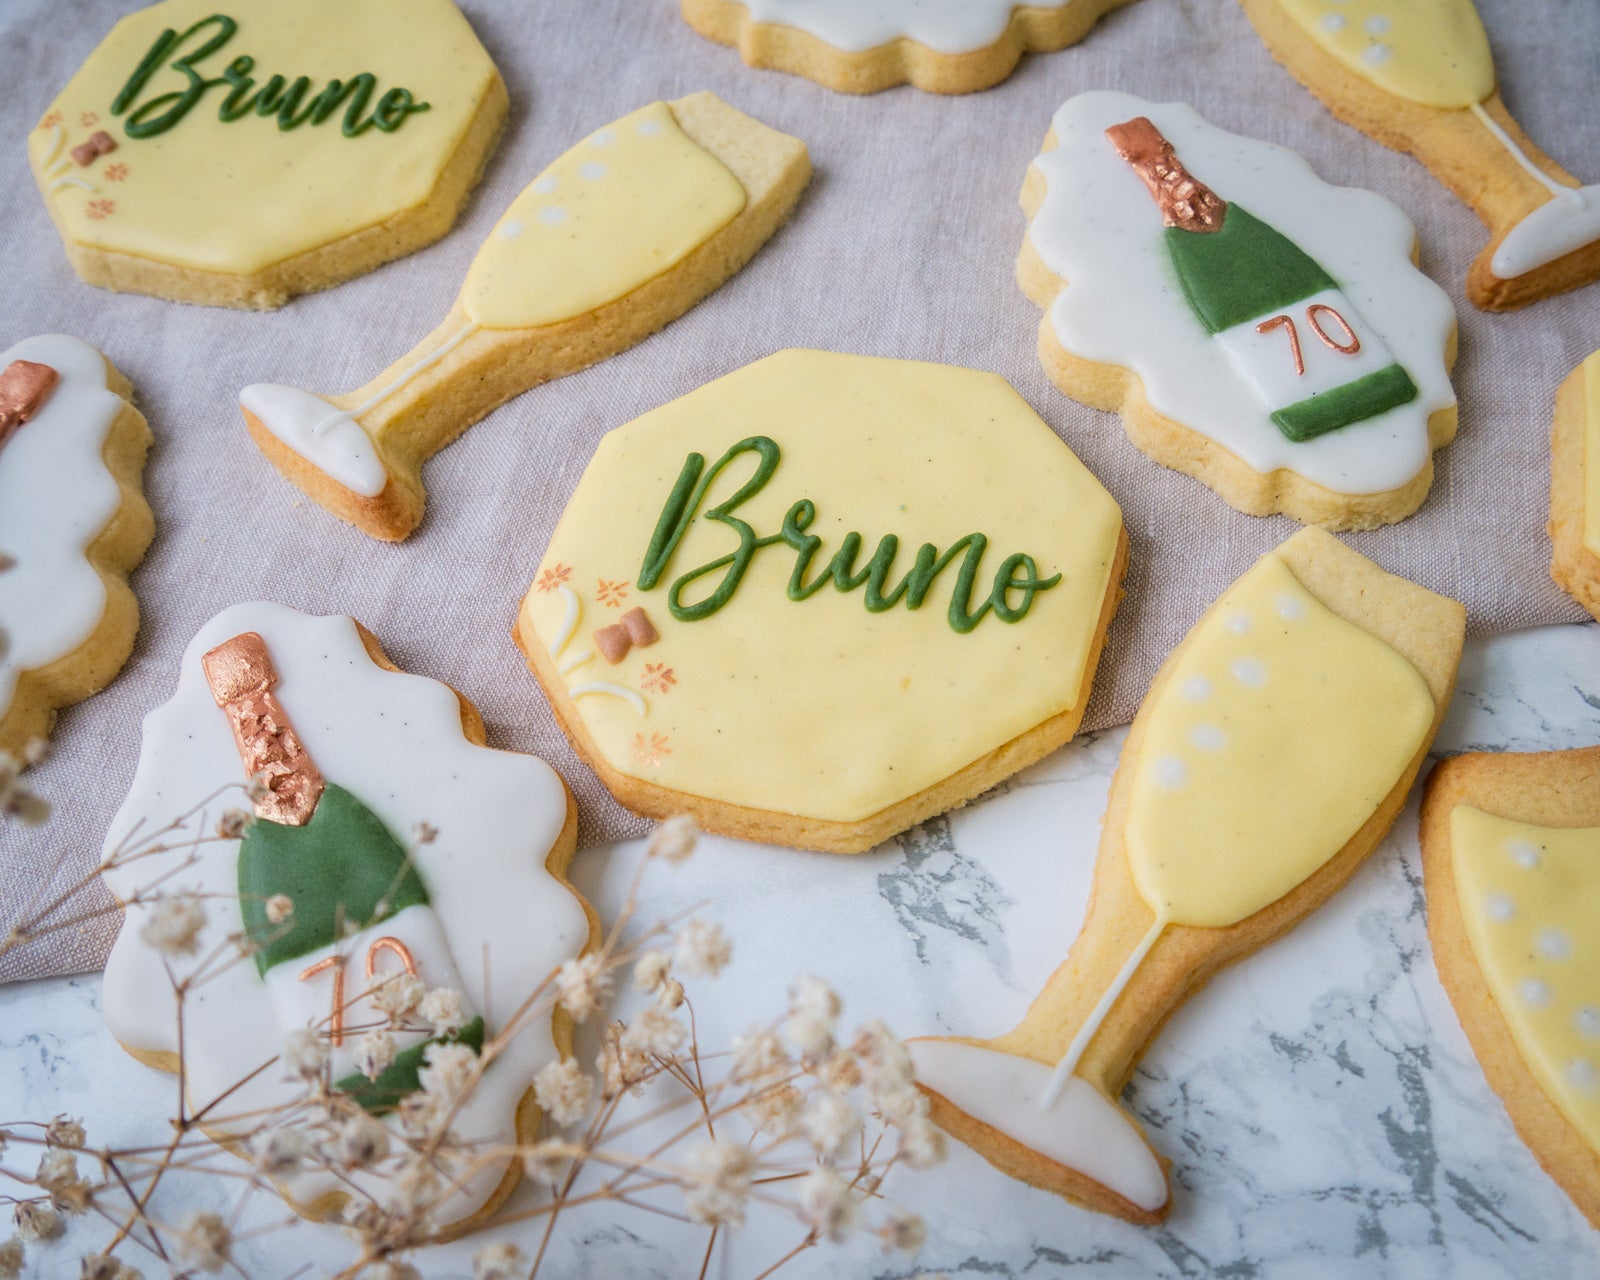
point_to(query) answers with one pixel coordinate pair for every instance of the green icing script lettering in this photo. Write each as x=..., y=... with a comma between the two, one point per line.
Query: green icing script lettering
x=278, y=97
x=1017, y=576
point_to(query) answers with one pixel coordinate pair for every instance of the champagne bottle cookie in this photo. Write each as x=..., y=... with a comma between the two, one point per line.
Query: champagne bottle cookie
x=1418, y=75
x=1272, y=753
x=1511, y=868
x=941, y=46
x=237, y=156
x=823, y=598
x=1575, y=485
x=1301, y=363
x=353, y=756
x=621, y=235
x=73, y=523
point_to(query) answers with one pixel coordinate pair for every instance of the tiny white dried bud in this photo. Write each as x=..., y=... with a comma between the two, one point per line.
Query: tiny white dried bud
x=621, y=1069
x=35, y=751
x=173, y=925
x=11, y=1259
x=563, y=1090
x=395, y=1269
x=501, y=1260
x=397, y=996
x=374, y=1054
x=582, y=986
x=279, y=907
x=719, y=1175
x=361, y=1141
x=278, y=1152
x=826, y=1204
x=815, y=997
x=234, y=823
x=884, y=1060
x=424, y=833
x=831, y=1123
x=56, y=1168
x=304, y=1054
x=702, y=949
x=775, y=1112
x=759, y=1057
x=419, y=1113
x=674, y=839
x=671, y=994
x=811, y=1036
x=840, y=1073
x=443, y=1009
x=902, y=1230
x=414, y=1185
x=206, y=1241
x=655, y=1032
x=64, y=1131
x=922, y=1145
x=545, y=1163
x=448, y=1071
x=36, y=1222
x=651, y=969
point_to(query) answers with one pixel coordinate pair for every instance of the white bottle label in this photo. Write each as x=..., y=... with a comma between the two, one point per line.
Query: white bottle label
x=1314, y=346
x=303, y=989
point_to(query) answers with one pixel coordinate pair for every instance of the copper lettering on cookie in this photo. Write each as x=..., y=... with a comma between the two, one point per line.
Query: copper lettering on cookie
x=1267, y=326
x=388, y=943
x=1185, y=202
x=24, y=387
x=336, y=1018
x=1351, y=343
x=241, y=676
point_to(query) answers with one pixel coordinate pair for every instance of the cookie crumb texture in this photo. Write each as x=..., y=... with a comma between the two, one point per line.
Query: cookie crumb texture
x=864, y=46
x=873, y=589
x=238, y=156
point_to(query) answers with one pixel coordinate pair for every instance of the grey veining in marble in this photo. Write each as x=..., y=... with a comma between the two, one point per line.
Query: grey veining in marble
x=1323, y=1112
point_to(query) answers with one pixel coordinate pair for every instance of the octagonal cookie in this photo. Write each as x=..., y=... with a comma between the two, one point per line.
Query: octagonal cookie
x=241, y=154
x=825, y=597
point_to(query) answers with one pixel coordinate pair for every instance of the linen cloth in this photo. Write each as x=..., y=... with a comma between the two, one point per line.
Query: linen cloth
x=903, y=246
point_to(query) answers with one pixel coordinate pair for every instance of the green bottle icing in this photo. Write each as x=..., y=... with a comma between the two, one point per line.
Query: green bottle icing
x=401, y=1077
x=343, y=867
x=1244, y=271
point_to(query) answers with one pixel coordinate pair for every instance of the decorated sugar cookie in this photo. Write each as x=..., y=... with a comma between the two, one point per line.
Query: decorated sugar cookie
x=73, y=522
x=1511, y=864
x=1575, y=485
x=240, y=155
x=1417, y=75
x=862, y=46
x=355, y=754
x=824, y=597
x=1257, y=328
x=1274, y=749
x=622, y=234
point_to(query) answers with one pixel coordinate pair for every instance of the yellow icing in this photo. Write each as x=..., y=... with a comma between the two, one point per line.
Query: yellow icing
x=1278, y=732
x=1433, y=52
x=239, y=196
x=819, y=707
x=1530, y=897
x=626, y=204
x=1591, y=453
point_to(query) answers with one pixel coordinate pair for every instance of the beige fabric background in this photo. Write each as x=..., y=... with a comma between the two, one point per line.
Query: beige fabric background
x=903, y=247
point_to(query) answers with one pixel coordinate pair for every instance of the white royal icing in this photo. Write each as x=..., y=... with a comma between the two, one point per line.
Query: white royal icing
x=393, y=740
x=1082, y=1130
x=945, y=26
x=56, y=496
x=323, y=434
x=1099, y=230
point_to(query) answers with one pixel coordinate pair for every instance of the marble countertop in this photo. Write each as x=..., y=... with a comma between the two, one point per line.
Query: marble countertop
x=1323, y=1112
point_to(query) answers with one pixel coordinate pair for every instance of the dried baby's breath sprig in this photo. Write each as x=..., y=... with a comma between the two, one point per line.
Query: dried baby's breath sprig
x=675, y=839
x=64, y=1132
x=174, y=925
x=563, y=1091
x=12, y=1258
x=35, y=1222
x=279, y=908
x=304, y=1054
x=501, y=1260
x=375, y=1053
x=444, y=1010
x=17, y=799
x=234, y=823
x=718, y=1177
x=701, y=949
x=583, y=986
x=397, y=997
x=278, y=1152
x=206, y=1241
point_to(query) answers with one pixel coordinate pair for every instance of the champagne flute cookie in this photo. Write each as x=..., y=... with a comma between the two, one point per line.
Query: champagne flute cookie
x=621, y=235
x=1418, y=76
x=237, y=156
x=1302, y=363
x=1511, y=868
x=1575, y=485
x=354, y=756
x=824, y=597
x=73, y=522
x=1272, y=753
x=855, y=46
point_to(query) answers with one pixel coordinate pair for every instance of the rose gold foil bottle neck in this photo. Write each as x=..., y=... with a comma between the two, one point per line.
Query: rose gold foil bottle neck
x=1185, y=202
x=241, y=676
